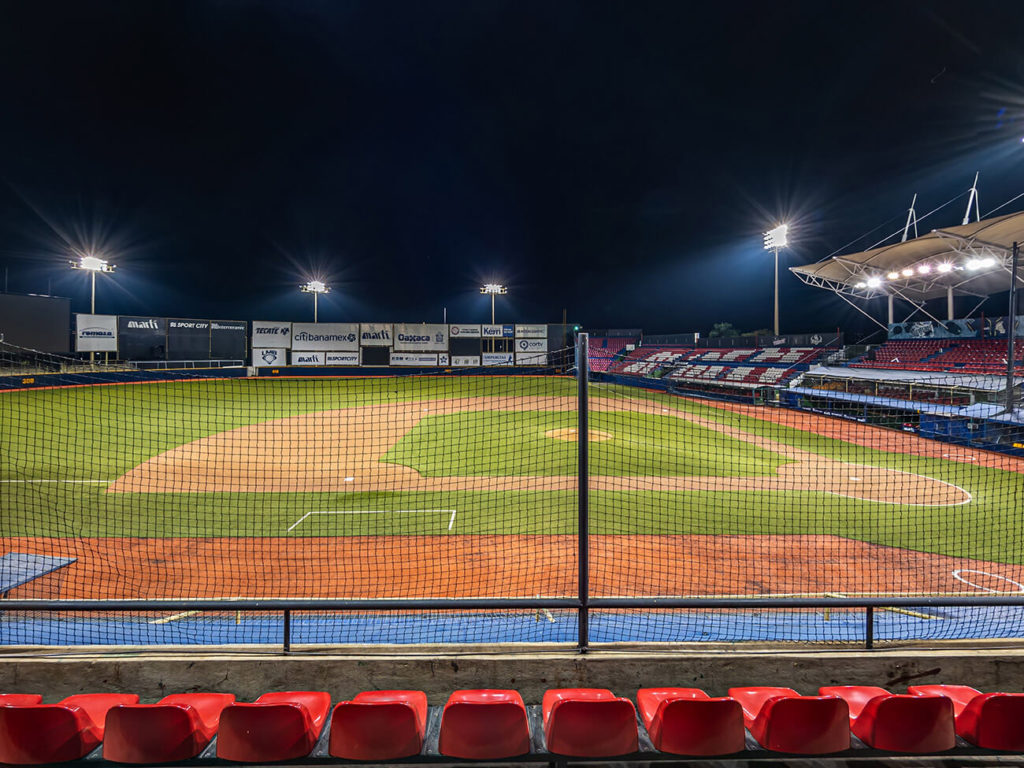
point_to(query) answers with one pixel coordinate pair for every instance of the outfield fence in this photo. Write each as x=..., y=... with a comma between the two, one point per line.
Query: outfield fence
x=484, y=506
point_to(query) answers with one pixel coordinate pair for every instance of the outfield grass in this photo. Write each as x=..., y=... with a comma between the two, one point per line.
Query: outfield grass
x=98, y=433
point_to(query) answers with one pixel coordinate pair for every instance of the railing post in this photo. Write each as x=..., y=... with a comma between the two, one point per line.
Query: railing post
x=583, y=526
x=1011, y=327
x=287, y=630
x=869, y=627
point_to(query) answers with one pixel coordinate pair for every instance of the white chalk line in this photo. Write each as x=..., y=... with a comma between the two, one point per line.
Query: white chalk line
x=956, y=575
x=451, y=519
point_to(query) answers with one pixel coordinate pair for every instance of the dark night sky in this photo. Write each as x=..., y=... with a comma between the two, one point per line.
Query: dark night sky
x=617, y=159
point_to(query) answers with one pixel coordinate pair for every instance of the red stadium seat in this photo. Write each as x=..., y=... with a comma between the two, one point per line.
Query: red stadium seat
x=686, y=721
x=20, y=699
x=276, y=727
x=484, y=725
x=589, y=722
x=379, y=725
x=177, y=727
x=897, y=722
x=784, y=721
x=989, y=720
x=35, y=734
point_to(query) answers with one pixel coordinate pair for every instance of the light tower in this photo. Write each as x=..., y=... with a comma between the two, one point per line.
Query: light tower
x=775, y=240
x=92, y=265
x=316, y=287
x=492, y=290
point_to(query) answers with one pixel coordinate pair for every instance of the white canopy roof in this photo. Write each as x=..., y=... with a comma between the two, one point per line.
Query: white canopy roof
x=972, y=259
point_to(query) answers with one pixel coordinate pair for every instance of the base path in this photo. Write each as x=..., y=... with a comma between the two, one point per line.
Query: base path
x=499, y=566
x=341, y=451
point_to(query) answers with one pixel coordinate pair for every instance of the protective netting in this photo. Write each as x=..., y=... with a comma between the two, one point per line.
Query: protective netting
x=189, y=485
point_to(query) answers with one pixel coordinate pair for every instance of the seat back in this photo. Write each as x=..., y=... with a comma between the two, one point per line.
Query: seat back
x=277, y=727
x=905, y=723
x=484, y=725
x=377, y=730
x=808, y=725
x=589, y=723
x=698, y=727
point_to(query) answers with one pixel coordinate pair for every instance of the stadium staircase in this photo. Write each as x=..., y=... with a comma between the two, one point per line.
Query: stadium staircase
x=569, y=725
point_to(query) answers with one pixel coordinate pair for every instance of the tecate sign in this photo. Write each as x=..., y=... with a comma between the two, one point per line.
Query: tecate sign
x=271, y=334
x=464, y=331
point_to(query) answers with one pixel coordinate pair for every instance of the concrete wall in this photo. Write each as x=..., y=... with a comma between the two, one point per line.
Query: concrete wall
x=247, y=676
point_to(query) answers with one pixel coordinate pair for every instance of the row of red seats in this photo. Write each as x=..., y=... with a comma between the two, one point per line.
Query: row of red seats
x=494, y=724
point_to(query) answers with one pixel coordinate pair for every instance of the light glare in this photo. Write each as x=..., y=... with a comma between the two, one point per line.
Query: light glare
x=315, y=286
x=493, y=288
x=874, y=282
x=776, y=238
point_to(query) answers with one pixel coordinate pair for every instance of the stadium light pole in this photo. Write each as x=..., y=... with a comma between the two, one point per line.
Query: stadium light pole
x=493, y=289
x=92, y=265
x=316, y=287
x=775, y=240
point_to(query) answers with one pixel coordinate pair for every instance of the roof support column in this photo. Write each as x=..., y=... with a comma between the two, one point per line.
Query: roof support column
x=891, y=321
x=949, y=302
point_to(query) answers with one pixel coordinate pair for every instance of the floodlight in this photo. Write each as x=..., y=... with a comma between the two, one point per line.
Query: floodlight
x=874, y=282
x=924, y=269
x=908, y=272
x=973, y=264
x=860, y=285
x=315, y=286
x=493, y=288
x=945, y=267
x=987, y=262
x=776, y=238
x=92, y=264
x=893, y=275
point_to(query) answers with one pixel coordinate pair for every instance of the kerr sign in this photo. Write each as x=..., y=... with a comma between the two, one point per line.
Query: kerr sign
x=334, y=337
x=271, y=334
x=421, y=338
x=498, y=331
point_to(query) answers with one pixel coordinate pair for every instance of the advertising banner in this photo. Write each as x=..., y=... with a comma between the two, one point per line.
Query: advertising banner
x=308, y=358
x=268, y=333
x=968, y=328
x=531, y=345
x=188, y=339
x=464, y=331
x=498, y=331
x=498, y=358
x=531, y=358
x=142, y=338
x=266, y=357
x=335, y=337
x=342, y=358
x=227, y=339
x=416, y=359
x=376, y=335
x=421, y=337
x=531, y=331
x=442, y=359
x=466, y=361
x=96, y=333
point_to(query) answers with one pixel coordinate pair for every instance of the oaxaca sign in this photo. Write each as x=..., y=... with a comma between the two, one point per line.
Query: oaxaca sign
x=421, y=337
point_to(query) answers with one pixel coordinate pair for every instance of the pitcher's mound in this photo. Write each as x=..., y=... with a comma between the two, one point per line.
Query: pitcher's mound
x=593, y=436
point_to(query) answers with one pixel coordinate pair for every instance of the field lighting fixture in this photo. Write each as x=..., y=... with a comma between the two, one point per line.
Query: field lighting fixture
x=874, y=282
x=316, y=287
x=492, y=290
x=92, y=265
x=893, y=275
x=945, y=267
x=774, y=240
x=908, y=272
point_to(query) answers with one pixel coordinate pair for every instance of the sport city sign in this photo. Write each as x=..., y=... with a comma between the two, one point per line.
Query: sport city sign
x=333, y=337
x=421, y=337
x=272, y=334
